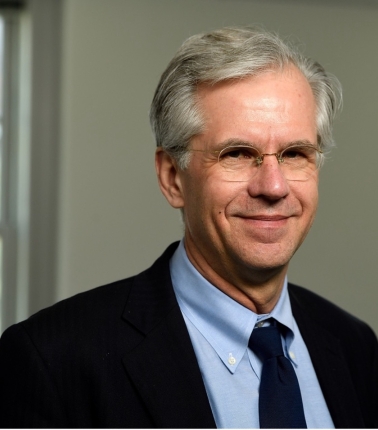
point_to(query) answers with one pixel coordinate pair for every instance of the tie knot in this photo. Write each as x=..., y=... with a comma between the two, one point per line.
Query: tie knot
x=266, y=343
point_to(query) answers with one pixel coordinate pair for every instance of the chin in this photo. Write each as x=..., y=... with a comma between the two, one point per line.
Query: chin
x=266, y=257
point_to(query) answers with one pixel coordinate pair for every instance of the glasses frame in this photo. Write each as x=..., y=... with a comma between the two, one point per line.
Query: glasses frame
x=261, y=156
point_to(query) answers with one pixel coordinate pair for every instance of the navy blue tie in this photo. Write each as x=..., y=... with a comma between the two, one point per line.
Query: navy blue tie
x=280, y=400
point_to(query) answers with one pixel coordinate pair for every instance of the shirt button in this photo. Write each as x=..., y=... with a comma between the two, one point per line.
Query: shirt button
x=292, y=355
x=231, y=360
x=260, y=324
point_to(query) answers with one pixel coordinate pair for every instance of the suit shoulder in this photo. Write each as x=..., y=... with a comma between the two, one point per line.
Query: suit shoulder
x=328, y=314
x=97, y=312
x=95, y=301
x=75, y=318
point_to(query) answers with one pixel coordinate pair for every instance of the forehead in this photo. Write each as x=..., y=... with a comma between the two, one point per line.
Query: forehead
x=275, y=104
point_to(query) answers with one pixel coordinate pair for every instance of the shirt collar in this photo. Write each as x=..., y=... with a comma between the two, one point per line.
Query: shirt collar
x=224, y=323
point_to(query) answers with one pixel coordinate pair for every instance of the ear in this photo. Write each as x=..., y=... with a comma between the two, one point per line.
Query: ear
x=169, y=178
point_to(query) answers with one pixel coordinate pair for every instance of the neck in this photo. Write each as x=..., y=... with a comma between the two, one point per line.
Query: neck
x=258, y=290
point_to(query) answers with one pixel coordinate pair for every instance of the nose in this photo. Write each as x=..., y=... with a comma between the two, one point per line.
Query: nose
x=269, y=180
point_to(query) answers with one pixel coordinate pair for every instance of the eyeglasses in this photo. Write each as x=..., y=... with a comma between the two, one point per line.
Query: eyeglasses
x=242, y=162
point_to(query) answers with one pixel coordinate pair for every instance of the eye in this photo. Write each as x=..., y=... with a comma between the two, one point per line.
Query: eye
x=238, y=153
x=299, y=156
x=293, y=153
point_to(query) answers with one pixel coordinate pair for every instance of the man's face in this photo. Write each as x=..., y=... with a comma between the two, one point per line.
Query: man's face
x=238, y=229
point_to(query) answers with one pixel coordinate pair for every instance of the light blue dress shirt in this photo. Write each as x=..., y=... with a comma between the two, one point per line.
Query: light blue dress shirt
x=219, y=328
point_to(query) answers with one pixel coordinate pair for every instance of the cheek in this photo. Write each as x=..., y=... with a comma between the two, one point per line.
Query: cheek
x=221, y=196
x=309, y=200
x=208, y=205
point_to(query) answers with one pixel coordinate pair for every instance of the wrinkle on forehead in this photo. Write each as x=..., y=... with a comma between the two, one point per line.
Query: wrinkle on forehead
x=263, y=107
x=268, y=110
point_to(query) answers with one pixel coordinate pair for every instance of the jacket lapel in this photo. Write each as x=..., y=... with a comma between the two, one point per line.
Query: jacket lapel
x=330, y=366
x=163, y=366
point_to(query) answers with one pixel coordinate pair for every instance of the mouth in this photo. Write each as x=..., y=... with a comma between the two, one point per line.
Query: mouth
x=265, y=221
x=264, y=217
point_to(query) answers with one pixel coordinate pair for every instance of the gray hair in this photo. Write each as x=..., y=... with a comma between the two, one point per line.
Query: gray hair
x=230, y=53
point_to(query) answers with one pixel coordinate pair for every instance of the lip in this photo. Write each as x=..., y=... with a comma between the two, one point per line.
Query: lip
x=265, y=221
x=265, y=217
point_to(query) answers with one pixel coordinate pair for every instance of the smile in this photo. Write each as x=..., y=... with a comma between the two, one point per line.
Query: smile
x=266, y=221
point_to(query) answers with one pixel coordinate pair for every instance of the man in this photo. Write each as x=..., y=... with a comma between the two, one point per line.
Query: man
x=242, y=122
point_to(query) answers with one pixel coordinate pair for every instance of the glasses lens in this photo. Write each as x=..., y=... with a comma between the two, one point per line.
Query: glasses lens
x=238, y=158
x=298, y=163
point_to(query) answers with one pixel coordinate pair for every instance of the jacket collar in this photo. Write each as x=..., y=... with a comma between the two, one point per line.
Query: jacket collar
x=163, y=366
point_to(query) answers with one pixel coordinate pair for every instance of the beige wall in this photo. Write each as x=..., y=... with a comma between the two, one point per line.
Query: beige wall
x=113, y=221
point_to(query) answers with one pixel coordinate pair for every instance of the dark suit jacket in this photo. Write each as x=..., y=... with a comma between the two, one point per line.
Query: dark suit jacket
x=120, y=356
